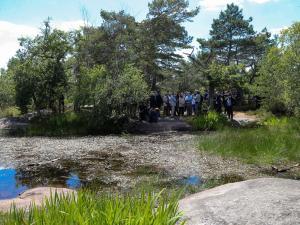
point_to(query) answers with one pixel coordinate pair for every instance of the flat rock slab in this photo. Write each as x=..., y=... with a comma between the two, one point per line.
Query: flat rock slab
x=265, y=201
x=35, y=195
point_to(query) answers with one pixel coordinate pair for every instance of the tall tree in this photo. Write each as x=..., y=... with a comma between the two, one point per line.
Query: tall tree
x=230, y=57
x=162, y=35
x=232, y=36
x=39, y=70
x=7, y=89
x=279, y=80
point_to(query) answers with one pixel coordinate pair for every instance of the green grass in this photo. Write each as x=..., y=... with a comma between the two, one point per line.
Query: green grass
x=208, y=122
x=89, y=209
x=277, y=141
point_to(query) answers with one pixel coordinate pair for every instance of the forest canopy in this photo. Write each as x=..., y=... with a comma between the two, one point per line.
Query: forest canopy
x=118, y=63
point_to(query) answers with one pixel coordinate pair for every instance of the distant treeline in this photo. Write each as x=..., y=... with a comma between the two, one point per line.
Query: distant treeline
x=120, y=61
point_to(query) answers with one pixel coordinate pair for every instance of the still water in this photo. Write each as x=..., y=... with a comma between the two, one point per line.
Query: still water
x=13, y=183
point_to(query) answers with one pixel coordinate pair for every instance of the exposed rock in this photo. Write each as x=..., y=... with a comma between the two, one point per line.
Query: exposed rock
x=265, y=201
x=244, y=119
x=35, y=195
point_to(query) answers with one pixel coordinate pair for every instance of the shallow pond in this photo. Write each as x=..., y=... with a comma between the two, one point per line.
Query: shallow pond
x=13, y=183
x=103, y=163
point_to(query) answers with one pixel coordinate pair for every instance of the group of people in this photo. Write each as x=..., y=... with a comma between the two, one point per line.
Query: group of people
x=226, y=101
x=178, y=104
x=187, y=103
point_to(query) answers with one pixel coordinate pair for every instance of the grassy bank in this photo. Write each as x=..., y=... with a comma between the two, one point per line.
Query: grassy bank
x=88, y=208
x=277, y=141
x=73, y=124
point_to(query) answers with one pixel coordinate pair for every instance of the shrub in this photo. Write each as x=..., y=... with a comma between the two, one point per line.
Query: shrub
x=10, y=112
x=71, y=123
x=208, y=122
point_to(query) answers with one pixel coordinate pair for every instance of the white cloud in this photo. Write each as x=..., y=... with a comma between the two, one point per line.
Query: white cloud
x=69, y=25
x=214, y=5
x=10, y=32
x=277, y=31
x=260, y=1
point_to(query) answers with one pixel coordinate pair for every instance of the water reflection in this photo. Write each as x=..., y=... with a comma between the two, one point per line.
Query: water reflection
x=73, y=181
x=13, y=182
x=192, y=181
x=9, y=184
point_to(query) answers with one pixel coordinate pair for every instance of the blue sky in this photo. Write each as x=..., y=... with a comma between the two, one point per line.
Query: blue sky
x=23, y=17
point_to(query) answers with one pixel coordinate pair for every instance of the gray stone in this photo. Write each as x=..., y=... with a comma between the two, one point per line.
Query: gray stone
x=35, y=195
x=265, y=201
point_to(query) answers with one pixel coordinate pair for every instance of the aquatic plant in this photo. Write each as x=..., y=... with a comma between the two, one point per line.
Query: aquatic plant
x=106, y=209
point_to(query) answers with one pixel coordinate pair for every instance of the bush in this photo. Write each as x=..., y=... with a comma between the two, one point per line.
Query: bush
x=278, y=108
x=209, y=122
x=85, y=123
x=10, y=112
x=88, y=208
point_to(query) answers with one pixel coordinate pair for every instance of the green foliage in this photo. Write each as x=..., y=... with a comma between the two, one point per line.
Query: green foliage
x=229, y=59
x=209, y=122
x=108, y=94
x=91, y=86
x=87, y=208
x=161, y=35
x=130, y=87
x=277, y=141
x=225, y=78
x=232, y=35
x=70, y=124
x=38, y=69
x=279, y=81
x=9, y=112
x=7, y=90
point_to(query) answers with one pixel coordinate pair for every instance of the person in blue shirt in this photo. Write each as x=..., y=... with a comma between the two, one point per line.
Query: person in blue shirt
x=188, y=102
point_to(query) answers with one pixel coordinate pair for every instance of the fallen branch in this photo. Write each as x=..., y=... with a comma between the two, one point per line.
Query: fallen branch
x=277, y=170
x=41, y=163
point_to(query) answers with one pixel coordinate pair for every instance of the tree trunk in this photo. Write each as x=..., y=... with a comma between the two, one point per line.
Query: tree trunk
x=211, y=94
x=153, y=82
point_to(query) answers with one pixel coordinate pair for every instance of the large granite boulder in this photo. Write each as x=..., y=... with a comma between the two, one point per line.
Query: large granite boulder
x=262, y=201
x=35, y=195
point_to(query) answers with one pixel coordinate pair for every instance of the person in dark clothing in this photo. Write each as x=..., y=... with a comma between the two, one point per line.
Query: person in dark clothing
x=158, y=99
x=218, y=104
x=224, y=102
x=166, y=105
x=144, y=113
x=153, y=115
x=61, y=107
x=153, y=103
x=229, y=107
x=206, y=95
x=181, y=104
x=177, y=105
x=159, y=102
